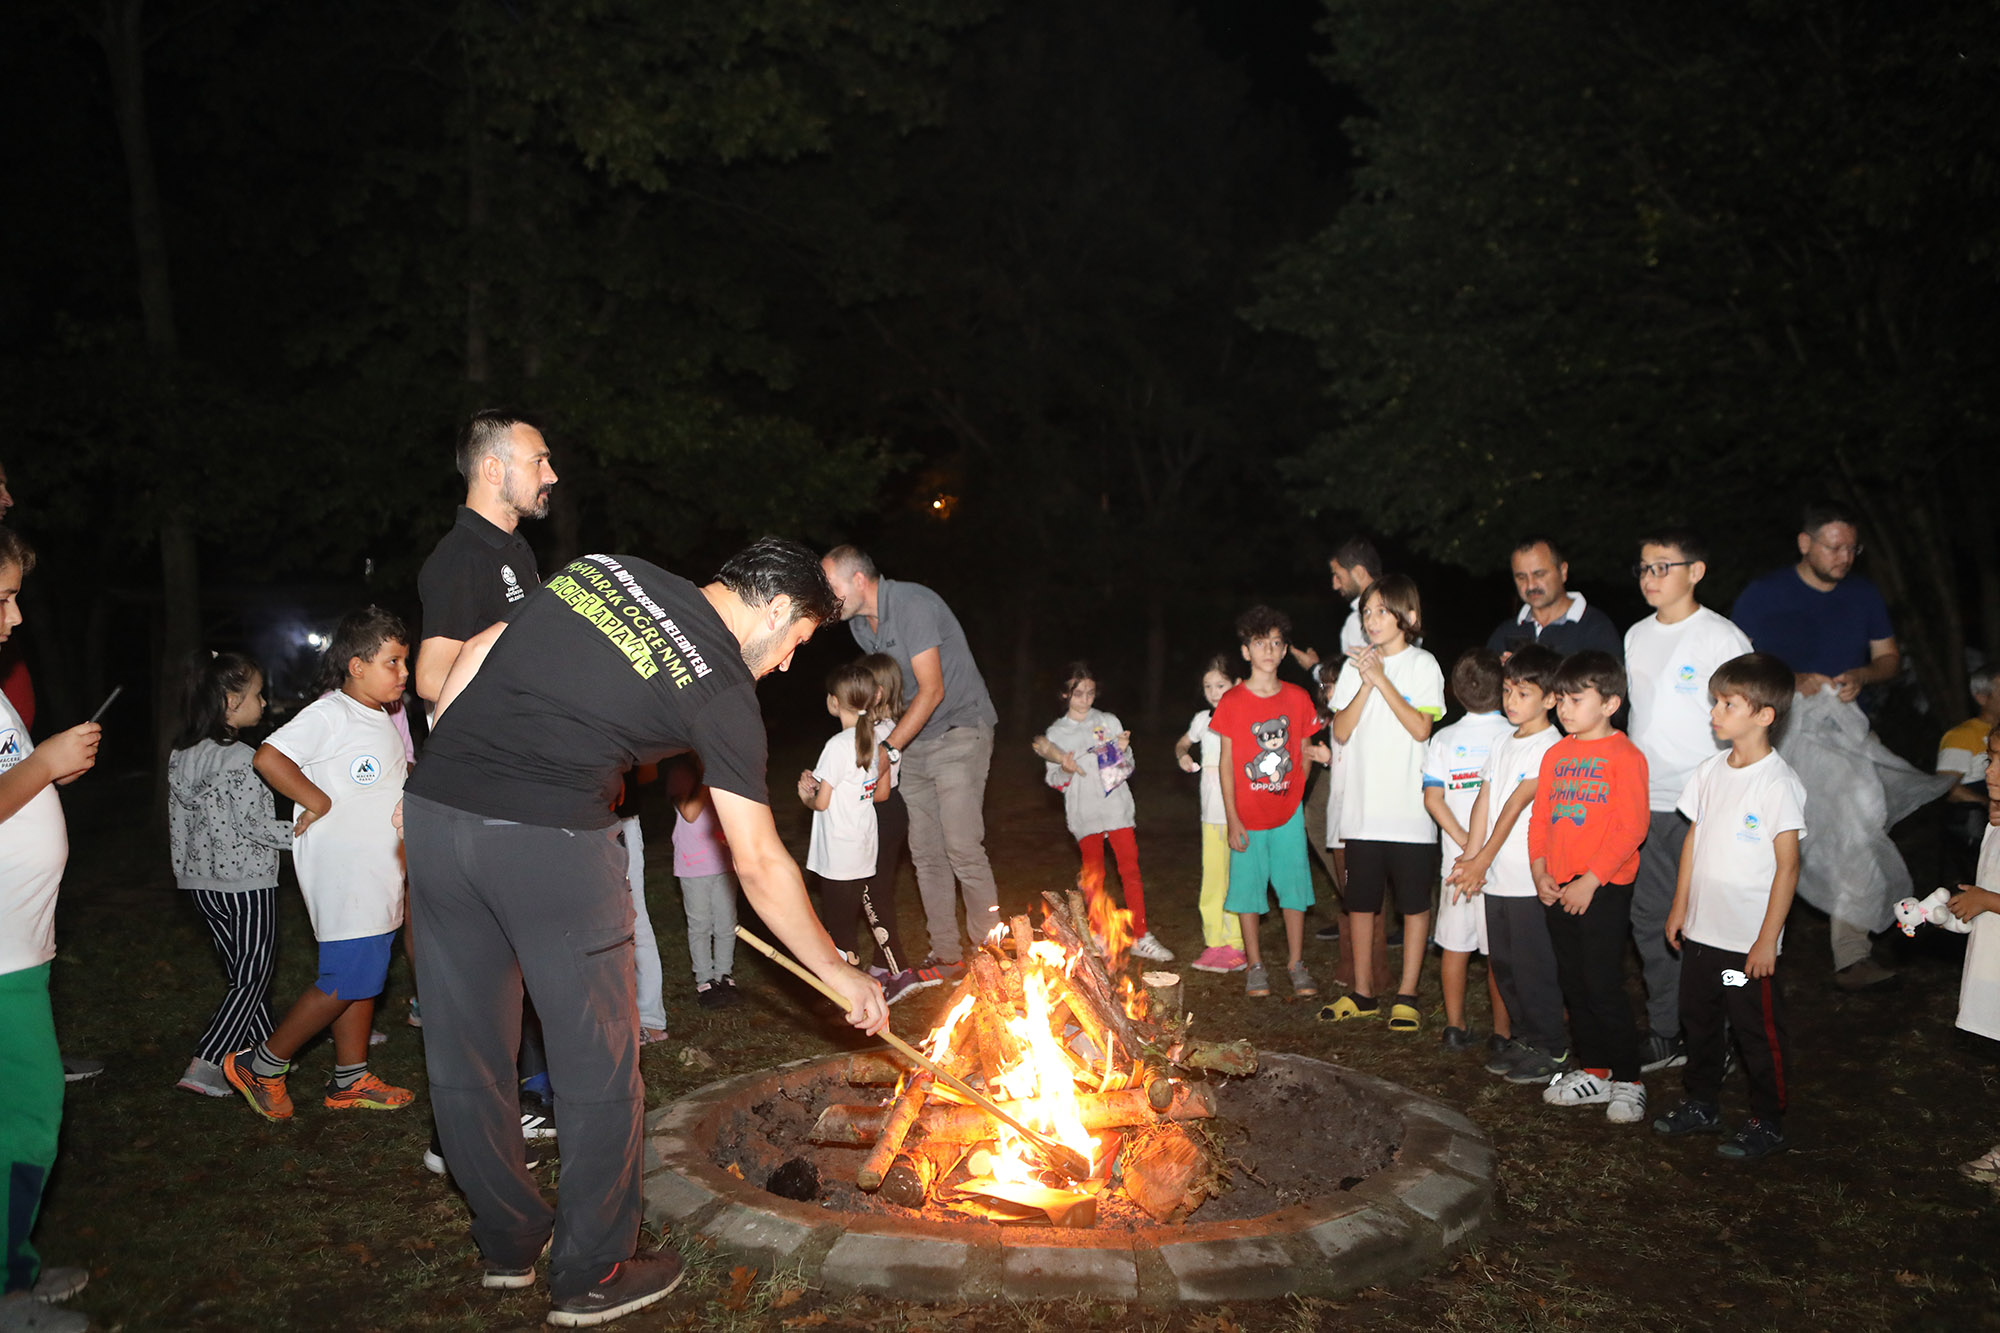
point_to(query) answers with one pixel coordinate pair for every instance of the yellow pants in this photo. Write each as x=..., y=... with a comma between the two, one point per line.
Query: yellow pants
x=1217, y=926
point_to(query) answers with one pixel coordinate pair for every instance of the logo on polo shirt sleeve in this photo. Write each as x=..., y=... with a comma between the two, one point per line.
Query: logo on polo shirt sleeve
x=12, y=751
x=513, y=582
x=365, y=771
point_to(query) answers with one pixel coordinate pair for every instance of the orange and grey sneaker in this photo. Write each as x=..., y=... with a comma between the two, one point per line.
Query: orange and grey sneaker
x=267, y=1096
x=367, y=1093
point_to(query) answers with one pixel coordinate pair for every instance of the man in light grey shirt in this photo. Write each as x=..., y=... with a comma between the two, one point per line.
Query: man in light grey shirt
x=945, y=739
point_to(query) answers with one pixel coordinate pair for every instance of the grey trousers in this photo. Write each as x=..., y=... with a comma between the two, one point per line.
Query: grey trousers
x=1523, y=960
x=498, y=906
x=1652, y=899
x=944, y=784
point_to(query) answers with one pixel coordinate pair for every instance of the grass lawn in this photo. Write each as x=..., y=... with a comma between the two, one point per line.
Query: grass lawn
x=195, y=1214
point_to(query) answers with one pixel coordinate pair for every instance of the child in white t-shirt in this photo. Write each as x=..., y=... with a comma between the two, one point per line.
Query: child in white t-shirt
x=341, y=761
x=1221, y=931
x=1388, y=697
x=1453, y=762
x=1739, y=870
x=1978, y=904
x=841, y=790
x=1669, y=657
x=1495, y=872
x=1089, y=756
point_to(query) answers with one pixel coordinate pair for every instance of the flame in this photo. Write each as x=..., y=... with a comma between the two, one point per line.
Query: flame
x=1110, y=926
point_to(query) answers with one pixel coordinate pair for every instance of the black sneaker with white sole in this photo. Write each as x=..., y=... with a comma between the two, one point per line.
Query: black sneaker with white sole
x=538, y=1116
x=1657, y=1053
x=629, y=1286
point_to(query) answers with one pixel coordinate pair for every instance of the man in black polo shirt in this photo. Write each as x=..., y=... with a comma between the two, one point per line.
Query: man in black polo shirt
x=517, y=879
x=1552, y=615
x=482, y=570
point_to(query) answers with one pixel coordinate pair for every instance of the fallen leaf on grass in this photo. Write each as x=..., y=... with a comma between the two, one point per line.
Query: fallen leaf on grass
x=789, y=1296
x=740, y=1280
x=734, y=1170
x=1909, y=1279
x=813, y=1320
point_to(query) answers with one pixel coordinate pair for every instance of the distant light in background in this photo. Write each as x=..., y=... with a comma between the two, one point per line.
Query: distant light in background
x=942, y=505
x=314, y=639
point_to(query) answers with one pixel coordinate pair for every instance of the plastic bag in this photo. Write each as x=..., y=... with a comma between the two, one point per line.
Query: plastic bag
x=1856, y=790
x=1114, y=764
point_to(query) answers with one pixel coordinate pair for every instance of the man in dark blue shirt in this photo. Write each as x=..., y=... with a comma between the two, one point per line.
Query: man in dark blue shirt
x=1831, y=627
x=1551, y=615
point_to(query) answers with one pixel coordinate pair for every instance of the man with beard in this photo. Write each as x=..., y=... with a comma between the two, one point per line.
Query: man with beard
x=479, y=575
x=518, y=882
x=483, y=569
x=1552, y=615
x=1831, y=627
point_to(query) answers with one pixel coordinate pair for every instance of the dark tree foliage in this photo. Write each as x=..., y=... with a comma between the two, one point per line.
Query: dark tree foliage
x=1614, y=266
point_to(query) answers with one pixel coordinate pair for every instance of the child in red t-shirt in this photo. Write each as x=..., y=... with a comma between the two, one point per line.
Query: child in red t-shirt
x=1263, y=724
x=1590, y=817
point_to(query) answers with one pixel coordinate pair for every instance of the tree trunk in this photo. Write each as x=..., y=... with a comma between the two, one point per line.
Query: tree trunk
x=123, y=39
x=478, y=291
x=1022, y=710
x=1154, y=686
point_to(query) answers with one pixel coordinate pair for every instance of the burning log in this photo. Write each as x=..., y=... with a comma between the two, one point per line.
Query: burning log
x=860, y=1126
x=999, y=1047
x=872, y=1069
x=1164, y=1174
x=1163, y=996
x=1224, y=1057
x=1091, y=983
x=917, y=1170
x=1022, y=928
x=895, y=1128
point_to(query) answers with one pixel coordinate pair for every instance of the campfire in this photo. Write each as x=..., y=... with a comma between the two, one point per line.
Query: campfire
x=1085, y=1086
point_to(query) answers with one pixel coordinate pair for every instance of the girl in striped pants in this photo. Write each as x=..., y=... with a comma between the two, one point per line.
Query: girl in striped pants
x=226, y=837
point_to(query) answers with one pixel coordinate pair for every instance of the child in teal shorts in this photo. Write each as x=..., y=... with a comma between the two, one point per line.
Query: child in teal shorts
x=1264, y=724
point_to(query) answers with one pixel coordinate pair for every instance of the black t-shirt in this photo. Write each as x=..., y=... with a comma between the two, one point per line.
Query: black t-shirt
x=615, y=662
x=477, y=575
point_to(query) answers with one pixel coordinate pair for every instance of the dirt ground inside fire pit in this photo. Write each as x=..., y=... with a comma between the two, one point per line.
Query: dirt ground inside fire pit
x=1267, y=1162
x=193, y=1214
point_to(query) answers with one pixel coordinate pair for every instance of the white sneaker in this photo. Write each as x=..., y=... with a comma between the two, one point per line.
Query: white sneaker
x=1151, y=949
x=1579, y=1087
x=22, y=1313
x=1627, y=1105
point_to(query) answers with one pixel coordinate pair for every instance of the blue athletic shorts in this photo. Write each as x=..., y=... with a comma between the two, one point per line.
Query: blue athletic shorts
x=1274, y=856
x=354, y=969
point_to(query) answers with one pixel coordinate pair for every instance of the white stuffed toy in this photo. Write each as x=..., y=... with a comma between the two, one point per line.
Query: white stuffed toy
x=1912, y=912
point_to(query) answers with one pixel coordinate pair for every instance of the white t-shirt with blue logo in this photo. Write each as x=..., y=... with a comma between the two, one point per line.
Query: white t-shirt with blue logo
x=1738, y=814
x=1668, y=667
x=1453, y=762
x=350, y=861
x=34, y=845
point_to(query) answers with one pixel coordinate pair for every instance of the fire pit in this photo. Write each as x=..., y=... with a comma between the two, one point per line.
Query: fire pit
x=1148, y=1166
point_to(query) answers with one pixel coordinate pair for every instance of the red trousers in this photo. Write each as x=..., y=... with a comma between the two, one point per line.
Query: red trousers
x=1126, y=846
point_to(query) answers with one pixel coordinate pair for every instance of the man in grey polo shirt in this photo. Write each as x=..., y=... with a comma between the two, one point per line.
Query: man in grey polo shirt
x=945, y=738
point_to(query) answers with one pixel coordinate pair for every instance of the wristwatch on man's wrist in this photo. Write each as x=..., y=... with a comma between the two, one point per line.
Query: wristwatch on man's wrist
x=895, y=755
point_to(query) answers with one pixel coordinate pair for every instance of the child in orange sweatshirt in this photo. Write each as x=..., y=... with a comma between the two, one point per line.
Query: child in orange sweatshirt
x=1589, y=819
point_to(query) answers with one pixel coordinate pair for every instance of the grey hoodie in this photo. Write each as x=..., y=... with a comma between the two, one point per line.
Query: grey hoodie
x=220, y=820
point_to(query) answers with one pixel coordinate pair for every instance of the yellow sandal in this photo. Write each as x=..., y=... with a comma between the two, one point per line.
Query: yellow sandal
x=1405, y=1018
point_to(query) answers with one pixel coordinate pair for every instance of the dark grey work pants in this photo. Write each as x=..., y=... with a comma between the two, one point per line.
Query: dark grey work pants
x=1524, y=966
x=497, y=905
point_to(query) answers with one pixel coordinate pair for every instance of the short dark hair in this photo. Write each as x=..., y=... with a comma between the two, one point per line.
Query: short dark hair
x=1591, y=670
x=774, y=567
x=1259, y=621
x=486, y=432
x=1475, y=680
x=211, y=679
x=1530, y=543
x=1759, y=677
x=1690, y=546
x=359, y=634
x=1359, y=551
x=14, y=550
x=1532, y=664
x=1822, y=512
x=852, y=560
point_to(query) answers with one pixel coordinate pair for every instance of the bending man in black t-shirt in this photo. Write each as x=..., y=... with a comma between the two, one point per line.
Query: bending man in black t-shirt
x=518, y=879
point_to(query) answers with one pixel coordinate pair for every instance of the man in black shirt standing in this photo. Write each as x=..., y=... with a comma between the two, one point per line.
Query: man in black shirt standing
x=518, y=881
x=482, y=570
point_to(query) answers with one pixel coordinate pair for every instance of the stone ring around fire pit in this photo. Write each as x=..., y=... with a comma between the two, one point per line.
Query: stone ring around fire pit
x=1395, y=1224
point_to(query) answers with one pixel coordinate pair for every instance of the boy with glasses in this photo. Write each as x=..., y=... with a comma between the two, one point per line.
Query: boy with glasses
x=1669, y=657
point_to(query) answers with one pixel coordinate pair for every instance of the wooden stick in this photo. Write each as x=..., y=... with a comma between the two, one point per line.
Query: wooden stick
x=854, y=1126
x=1062, y=1157
x=1090, y=979
x=917, y=1171
x=894, y=1130
x=1022, y=928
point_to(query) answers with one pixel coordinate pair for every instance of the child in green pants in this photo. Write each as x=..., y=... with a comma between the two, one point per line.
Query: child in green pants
x=34, y=847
